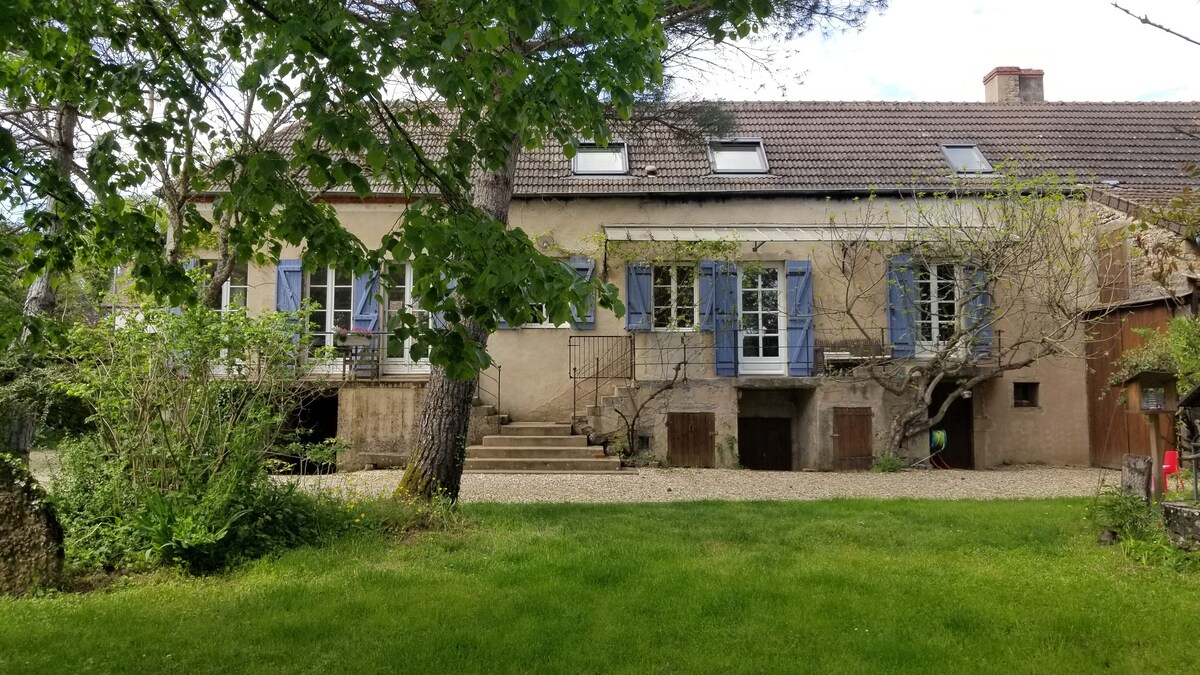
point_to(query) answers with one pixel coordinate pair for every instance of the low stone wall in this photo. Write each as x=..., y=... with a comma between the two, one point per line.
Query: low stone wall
x=378, y=417
x=1183, y=524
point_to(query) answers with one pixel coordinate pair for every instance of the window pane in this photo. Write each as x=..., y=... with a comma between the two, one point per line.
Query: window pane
x=737, y=158
x=686, y=317
x=595, y=159
x=684, y=275
x=662, y=275
x=770, y=302
x=341, y=299
x=749, y=301
x=342, y=278
x=341, y=320
x=662, y=317
x=317, y=294
x=770, y=323
x=318, y=321
x=770, y=278
x=750, y=346
x=966, y=159
x=237, y=297
x=662, y=296
x=770, y=346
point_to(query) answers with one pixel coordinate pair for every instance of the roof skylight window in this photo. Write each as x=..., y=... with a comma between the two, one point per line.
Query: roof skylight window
x=966, y=158
x=737, y=155
x=594, y=159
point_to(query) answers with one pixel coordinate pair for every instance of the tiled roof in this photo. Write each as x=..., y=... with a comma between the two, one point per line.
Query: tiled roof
x=819, y=147
x=835, y=146
x=1151, y=203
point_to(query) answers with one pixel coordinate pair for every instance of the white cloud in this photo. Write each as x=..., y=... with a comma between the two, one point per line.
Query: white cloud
x=939, y=50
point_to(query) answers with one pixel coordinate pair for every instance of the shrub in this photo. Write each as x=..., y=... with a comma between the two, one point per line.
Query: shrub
x=889, y=462
x=1140, y=531
x=187, y=409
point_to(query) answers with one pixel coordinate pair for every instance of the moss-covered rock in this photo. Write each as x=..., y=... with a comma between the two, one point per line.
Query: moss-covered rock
x=31, y=538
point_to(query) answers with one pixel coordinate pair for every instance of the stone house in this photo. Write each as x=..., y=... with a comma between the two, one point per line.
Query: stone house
x=763, y=358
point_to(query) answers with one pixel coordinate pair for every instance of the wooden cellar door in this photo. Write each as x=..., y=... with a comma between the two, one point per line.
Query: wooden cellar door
x=691, y=439
x=852, y=439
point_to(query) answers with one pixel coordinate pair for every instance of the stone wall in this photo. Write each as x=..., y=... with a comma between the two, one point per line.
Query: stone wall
x=378, y=417
x=31, y=553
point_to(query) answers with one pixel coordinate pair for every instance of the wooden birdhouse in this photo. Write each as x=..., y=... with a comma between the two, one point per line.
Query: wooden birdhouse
x=1151, y=392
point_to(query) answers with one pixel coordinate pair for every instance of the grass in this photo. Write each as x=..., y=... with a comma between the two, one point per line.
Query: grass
x=837, y=586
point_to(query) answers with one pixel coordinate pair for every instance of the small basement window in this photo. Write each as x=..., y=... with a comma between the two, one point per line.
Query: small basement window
x=966, y=158
x=595, y=159
x=1025, y=394
x=737, y=155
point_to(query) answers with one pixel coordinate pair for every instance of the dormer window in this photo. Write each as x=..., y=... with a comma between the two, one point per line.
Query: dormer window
x=737, y=155
x=965, y=158
x=593, y=159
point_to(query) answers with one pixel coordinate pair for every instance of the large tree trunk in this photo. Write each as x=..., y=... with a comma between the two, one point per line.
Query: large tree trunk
x=40, y=298
x=436, y=467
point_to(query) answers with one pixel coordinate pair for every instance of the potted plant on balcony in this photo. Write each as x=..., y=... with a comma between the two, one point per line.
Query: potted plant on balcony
x=353, y=337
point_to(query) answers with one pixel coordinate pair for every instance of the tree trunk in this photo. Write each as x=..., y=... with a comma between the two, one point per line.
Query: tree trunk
x=40, y=298
x=436, y=467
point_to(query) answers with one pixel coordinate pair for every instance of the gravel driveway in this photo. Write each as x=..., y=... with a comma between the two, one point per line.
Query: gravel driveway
x=670, y=485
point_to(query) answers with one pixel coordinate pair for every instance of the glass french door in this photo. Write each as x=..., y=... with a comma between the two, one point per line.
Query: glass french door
x=761, y=338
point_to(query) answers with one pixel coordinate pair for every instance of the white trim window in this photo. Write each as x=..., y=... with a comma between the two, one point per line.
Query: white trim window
x=938, y=303
x=592, y=159
x=673, y=296
x=332, y=292
x=398, y=299
x=737, y=155
x=762, y=333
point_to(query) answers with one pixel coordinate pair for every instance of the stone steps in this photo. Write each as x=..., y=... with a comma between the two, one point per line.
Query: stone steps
x=505, y=441
x=538, y=447
x=542, y=464
x=518, y=452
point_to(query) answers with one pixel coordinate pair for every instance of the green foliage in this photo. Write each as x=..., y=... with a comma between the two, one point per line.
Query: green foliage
x=1175, y=351
x=889, y=462
x=28, y=395
x=187, y=409
x=1140, y=531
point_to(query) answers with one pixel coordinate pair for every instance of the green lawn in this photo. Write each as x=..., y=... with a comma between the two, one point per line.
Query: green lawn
x=837, y=586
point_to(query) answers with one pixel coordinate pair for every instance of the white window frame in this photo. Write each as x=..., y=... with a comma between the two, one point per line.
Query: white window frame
x=674, y=326
x=228, y=286
x=764, y=365
x=398, y=365
x=330, y=311
x=984, y=166
x=716, y=145
x=928, y=347
x=615, y=146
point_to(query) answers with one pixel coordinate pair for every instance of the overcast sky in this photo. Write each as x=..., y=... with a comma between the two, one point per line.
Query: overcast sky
x=939, y=50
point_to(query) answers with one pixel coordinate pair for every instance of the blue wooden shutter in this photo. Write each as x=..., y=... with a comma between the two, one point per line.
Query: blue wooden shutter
x=585, y=267
x=639, y=306
x=800, y=336
x=366, y=305
x=288, y=285
x=725, y=317
x=978, y=319
x=707, y=308
x=901, y=310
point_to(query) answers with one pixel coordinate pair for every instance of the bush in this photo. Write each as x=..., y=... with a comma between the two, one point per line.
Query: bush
x=187, y=409
x=1140, y=531
x=889, y=462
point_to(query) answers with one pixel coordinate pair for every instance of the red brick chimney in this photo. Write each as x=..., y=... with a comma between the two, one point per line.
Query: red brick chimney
x=1010, y=84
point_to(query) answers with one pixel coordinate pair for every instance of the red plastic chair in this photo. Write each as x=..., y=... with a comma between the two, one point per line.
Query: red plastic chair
x=1170, y=465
